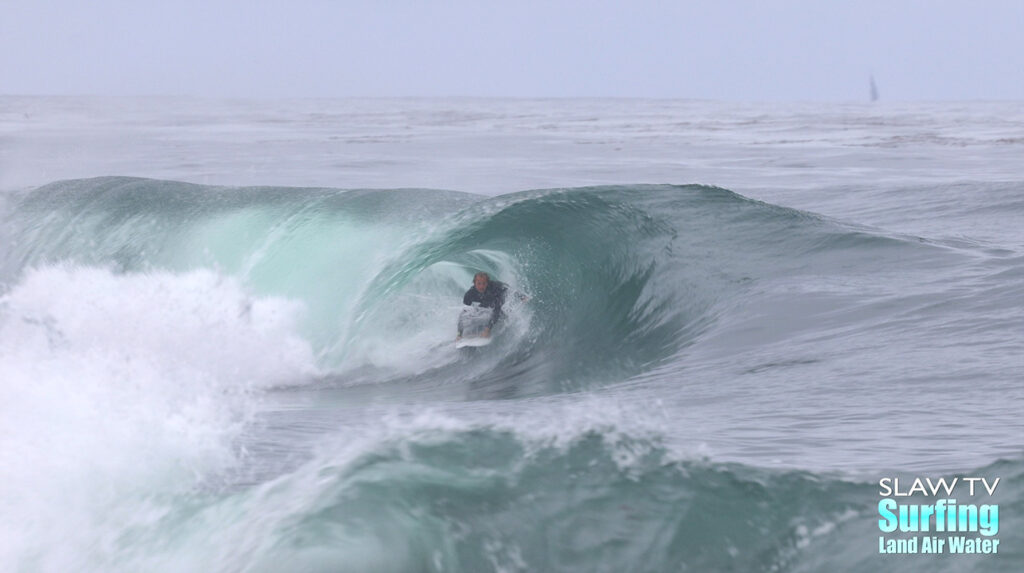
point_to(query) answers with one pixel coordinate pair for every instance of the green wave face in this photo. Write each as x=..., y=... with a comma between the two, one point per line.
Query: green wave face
x=494, y=499
x=619, y=279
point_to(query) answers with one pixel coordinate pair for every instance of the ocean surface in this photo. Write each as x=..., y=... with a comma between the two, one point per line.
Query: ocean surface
x=226, y=333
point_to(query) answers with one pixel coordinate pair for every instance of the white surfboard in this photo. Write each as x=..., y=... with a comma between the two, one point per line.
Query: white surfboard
x=473, y=321
x=472, y=342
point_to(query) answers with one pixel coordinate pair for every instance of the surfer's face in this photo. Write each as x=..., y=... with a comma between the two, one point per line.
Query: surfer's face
x=480, y=283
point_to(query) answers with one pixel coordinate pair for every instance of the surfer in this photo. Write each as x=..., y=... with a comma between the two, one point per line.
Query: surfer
x=490, y=294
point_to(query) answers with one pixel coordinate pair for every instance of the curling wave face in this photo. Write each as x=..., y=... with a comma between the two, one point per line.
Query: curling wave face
x=621, y=279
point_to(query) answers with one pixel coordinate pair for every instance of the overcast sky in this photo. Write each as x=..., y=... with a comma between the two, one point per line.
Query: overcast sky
x=715, y=49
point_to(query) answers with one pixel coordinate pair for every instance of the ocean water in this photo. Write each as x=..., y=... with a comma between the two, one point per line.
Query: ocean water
x=226, y=333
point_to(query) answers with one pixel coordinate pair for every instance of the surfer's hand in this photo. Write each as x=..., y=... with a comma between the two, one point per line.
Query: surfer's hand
x=487, y=332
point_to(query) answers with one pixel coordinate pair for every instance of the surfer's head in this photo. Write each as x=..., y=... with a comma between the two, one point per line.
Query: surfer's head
x=480, y=281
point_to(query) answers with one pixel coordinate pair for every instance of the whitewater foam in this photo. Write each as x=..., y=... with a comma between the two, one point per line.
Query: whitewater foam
x=119, y=389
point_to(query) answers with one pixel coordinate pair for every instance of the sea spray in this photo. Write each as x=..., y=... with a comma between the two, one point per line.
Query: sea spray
x=120, y=390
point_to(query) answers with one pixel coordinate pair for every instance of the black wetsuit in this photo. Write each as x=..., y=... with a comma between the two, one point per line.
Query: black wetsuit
x=492, y=297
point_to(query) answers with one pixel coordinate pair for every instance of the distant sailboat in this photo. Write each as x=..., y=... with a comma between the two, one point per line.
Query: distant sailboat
x=874, y=89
